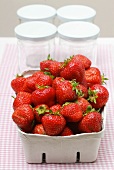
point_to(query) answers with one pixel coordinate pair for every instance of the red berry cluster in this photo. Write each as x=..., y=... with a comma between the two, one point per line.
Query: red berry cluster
x=62, y=98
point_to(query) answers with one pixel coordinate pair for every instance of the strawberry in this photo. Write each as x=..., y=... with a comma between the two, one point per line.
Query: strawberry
x=39, y=111
x=98, y=96
x=55, y=108
x=66, y=131
x=22, y=98
x=86, y=62
x=51, y=66
x=44, y=65
x=65, y=92
x=84, y=104
x=57, y=81
x=38, y=78
x=73, y=69
x=53, y=123
x=17, y=83
x=93, y=76
x=39, y=129
x=44, y=80
x=29, y=85
x=38, y=73
x=43, y=95
x=55, y=68
x=71, y=112
x=92, y=122
x=23, y=116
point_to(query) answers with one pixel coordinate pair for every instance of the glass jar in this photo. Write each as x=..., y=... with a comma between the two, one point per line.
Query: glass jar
x=75, y=13
x=78, y=37
x=36, y=40
x=36, y=12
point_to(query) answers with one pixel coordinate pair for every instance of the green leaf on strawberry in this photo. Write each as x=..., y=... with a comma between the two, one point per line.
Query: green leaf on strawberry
x=103, y=78
x=92, y=95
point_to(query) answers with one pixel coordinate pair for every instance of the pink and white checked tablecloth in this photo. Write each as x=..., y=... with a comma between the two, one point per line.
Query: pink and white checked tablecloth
x=11, y=152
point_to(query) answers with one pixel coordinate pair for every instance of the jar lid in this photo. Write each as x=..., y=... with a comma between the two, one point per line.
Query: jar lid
x=35, y=30
x=76, y=13
x=36, y=12
x=78, y=30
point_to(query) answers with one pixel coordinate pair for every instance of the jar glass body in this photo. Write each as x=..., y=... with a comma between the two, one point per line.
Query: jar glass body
x=67, y=48
x=31, y=53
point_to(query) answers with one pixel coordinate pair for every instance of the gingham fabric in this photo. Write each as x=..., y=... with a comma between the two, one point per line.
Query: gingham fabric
x=11, y=151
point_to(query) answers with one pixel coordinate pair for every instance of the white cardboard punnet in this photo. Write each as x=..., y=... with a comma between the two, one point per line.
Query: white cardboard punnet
x=58, y=149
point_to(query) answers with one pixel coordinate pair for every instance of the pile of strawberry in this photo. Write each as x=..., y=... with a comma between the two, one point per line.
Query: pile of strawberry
x=62, y=98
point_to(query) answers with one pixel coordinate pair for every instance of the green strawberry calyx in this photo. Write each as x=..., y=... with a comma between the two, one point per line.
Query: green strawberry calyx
x=54, y=113
x=66, y=103
x=49, y=57
x=41, y=87
x=88, y=110
x=74, y=84
x=66, y=61
x=48, y=73
x=74, y=87
x=92, y=95
x=41, y=110
x=104, y=79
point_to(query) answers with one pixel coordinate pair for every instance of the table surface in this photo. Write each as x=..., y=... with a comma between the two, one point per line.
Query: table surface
x=11, y=151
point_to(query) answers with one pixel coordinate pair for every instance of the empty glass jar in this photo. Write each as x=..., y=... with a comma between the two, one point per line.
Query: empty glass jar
x=78, y=37
x=36, y=40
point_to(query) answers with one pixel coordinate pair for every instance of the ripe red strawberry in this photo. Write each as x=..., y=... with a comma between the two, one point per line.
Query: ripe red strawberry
x=55, y=108
x=55, y=68
x=22, y=98
x=44, y=80
x=17, y=83
x=84, y=104
x=29, y=85
x=38, y=73
x=52, y=66
x=39, y=129
x=44, y=65
x=73, y=69
x=57, y=81
x=86, y=62
x=43, y=95
x=71, y=112
x=92, y=122
x=65, y=92
x=39, y=111
x=66, y=131
x=98, y=96
x=93, y=76
x=23, y=116
x=53, y=124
